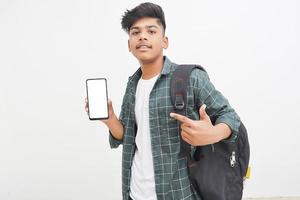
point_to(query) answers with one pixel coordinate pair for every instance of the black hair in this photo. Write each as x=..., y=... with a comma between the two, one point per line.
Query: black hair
x=143, y=10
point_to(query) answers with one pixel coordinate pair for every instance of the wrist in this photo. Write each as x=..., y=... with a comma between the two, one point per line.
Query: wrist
x=221, y=131
x=217, y=137
x=110, y=119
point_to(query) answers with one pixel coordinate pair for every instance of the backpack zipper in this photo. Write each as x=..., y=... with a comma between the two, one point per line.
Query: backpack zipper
x=232, y=159
x=212, y=148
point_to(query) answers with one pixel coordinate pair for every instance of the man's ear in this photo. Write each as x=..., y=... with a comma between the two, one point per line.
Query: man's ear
x=129, y=46
x=165, y=43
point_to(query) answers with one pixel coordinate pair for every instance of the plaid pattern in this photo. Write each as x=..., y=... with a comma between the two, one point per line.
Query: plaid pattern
x=171, y=175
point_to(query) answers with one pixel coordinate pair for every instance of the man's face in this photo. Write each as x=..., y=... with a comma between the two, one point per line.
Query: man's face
x=146, y=40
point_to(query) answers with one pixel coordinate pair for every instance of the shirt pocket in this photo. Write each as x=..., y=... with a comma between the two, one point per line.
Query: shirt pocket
x=169, y=129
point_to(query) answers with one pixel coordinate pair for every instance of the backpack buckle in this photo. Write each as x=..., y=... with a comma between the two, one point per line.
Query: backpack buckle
x=179, y=102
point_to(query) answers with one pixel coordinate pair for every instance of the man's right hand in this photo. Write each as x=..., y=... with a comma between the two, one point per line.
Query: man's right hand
x=111, y=113
x=114, y=125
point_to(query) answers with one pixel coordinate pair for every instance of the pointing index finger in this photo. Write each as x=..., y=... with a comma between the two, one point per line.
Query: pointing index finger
x=181, y=118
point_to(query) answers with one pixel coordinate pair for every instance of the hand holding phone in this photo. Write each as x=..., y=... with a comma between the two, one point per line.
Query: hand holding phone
x=110, y=109
x=97, y=99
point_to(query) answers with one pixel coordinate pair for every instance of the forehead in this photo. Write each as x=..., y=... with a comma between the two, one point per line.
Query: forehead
x=146, y=22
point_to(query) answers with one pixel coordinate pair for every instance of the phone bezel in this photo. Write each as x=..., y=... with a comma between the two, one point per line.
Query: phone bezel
x=86, y=83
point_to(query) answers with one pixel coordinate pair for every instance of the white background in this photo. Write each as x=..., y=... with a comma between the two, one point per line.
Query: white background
x=48, y=147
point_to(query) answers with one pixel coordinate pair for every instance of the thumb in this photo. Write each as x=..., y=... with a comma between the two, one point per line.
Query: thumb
x=110, y=106
x=109, y=102
x=203, y=114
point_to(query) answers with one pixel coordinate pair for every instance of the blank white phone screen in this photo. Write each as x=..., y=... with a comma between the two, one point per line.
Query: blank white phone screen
x=97, y=98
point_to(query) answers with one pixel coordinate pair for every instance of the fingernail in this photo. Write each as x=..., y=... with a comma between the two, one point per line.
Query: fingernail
x=171, y=115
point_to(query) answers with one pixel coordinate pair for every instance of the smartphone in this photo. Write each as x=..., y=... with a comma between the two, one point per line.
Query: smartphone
x=97, y=98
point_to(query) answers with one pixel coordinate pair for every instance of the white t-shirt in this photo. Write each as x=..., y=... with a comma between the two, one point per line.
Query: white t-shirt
x=142, y=185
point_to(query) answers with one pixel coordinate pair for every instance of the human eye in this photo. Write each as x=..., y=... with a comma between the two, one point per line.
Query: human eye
x=134, y=32
x=152, y=32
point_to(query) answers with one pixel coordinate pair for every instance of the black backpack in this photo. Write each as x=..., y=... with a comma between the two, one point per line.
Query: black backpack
x=216, y=171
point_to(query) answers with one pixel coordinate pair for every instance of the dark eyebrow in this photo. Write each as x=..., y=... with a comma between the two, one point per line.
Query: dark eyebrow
x=147, y=27
x=152, y=26
x=134, y=27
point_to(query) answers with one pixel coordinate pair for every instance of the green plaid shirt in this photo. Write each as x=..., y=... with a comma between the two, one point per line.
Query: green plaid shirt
x=171, y=176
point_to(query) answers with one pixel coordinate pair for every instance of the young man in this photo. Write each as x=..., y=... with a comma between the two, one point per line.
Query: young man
x=147, y=128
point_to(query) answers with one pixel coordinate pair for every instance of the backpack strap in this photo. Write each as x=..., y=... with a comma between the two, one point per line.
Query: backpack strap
x=179, y=84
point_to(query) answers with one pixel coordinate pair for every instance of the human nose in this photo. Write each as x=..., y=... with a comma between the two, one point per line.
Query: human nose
x=143, y=35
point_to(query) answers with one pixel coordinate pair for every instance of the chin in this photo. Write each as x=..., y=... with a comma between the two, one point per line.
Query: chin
x=144, y=58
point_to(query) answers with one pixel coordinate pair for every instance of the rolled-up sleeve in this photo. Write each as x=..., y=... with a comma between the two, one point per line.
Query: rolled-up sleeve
x=114, y=143
x=124, y=117
x=218, y=107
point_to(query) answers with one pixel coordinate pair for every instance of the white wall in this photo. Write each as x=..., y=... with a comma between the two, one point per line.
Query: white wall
x=48, y=147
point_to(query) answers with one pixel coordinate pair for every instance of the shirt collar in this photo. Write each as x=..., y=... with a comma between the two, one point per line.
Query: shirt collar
x=166, y=70
x=167, y=66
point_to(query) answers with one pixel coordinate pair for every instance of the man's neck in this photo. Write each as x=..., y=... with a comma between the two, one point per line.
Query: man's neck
x=151, y=69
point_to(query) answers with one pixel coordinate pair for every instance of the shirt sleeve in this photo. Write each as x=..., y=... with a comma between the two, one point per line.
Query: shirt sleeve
x=114, y=143
x=218, y=107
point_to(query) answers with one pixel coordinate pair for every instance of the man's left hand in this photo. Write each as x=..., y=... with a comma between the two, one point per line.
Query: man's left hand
x=197, y=132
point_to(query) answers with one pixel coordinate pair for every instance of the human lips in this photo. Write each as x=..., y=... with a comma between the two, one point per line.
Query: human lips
x=143, y=46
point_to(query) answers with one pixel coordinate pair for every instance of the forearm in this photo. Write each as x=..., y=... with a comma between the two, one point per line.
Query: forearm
x=116, y=127
x=218, y=107
x=221, y=132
